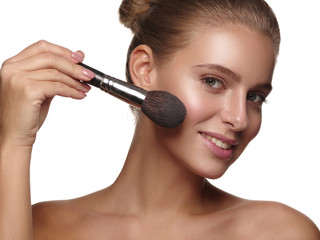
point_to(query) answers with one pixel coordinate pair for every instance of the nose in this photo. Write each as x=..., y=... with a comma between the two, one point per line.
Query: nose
x=234, y=112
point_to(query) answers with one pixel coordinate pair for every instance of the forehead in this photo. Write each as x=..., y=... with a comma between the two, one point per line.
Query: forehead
x=246, y=52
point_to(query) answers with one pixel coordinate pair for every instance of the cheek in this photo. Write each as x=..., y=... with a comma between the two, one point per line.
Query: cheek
x=198, y=103
x=199, y=106
x=194, y=105
x=186, y=91
x=253, y=129
x=255, y=118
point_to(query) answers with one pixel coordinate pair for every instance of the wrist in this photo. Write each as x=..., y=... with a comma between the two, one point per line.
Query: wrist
x=12, y=151
x=9, y=139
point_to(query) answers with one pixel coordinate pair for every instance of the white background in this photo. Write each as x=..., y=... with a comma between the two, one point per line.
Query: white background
x=82, y=146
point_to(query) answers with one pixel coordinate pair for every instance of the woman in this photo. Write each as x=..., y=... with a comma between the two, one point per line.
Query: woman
x=218, y=58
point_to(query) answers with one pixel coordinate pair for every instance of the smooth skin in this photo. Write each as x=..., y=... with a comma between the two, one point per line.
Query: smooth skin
x=161, y=192
x=29, y=81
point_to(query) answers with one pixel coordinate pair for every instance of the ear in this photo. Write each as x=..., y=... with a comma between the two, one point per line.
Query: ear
x=141, y=66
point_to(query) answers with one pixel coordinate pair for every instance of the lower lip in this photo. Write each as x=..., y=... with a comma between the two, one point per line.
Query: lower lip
x=218, y=151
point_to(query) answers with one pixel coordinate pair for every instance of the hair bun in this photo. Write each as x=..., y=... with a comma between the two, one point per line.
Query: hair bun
x=131, y=11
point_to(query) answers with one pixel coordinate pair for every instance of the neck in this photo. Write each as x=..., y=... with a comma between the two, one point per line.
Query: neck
x=153, y=181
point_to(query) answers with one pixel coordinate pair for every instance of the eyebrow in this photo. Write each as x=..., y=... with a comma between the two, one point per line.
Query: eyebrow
x=266, y=86
x=222, y=69
x=235, y=76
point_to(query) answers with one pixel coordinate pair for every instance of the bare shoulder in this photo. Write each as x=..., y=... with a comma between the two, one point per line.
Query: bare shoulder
x=273, y=220
x=62, y=219
x=51, y=219
x=240, y=218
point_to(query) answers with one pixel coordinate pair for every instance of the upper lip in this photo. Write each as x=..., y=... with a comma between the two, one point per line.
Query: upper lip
x=221, y=137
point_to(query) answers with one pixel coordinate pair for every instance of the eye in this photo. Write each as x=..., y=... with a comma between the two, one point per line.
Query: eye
x=212, y=82
x=256, y=98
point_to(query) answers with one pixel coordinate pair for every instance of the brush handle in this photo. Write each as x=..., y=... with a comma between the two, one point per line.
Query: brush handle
x=124, y=91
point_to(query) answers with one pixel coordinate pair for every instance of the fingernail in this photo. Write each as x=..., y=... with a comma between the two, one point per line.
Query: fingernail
x=83, y=94
x=86, y=86
x=87, y=73
x=77, y=56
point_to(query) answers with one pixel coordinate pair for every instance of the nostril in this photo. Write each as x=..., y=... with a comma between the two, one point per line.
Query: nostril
x=237, y=121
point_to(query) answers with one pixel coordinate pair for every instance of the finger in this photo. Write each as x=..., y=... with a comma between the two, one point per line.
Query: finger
x=52, y=61
x=56, y=76
x=52, y=89
x=43, y=46
x=77, y=56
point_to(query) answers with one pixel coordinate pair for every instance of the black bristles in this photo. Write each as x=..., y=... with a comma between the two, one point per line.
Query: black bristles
x=164, y=109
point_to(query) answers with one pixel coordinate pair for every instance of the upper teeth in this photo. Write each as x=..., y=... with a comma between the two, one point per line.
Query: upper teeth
x=218, y=142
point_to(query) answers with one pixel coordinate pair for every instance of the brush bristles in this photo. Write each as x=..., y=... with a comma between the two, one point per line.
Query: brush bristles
x=164, y=109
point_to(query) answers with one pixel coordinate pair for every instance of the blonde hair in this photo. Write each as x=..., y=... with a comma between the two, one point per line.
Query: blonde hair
x=168, y=25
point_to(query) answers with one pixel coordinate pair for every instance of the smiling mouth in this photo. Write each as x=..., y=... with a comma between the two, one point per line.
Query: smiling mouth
x=217, y=142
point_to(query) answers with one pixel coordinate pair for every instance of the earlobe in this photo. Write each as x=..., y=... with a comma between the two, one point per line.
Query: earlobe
x=141, y=65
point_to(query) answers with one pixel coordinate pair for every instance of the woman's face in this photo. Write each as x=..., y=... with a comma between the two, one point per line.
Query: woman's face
x=223, y=77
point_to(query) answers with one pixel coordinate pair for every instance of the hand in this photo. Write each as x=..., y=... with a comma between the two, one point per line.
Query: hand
x=28, y=83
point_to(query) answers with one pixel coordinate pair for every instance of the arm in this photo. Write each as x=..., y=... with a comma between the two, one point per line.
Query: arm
x=14, y=193
x=28, y=82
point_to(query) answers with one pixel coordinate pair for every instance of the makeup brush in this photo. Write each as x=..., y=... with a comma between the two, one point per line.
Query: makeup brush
x=161, y=107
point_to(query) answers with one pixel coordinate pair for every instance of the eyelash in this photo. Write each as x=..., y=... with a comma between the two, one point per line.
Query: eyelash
x=210, y=81
x=262, y=98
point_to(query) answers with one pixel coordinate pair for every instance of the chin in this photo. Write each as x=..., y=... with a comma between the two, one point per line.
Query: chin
x=214, y=174
x=214, y=171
